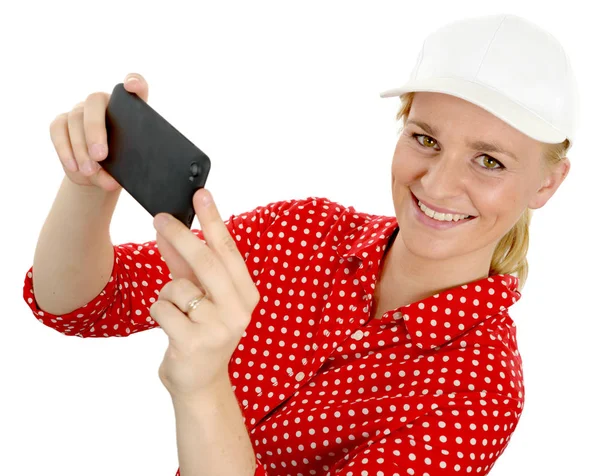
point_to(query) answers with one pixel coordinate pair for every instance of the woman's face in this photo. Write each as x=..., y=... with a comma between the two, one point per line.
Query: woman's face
x=442, y=170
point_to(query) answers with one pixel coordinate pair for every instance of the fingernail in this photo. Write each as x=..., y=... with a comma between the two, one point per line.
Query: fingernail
x=98, y=151
x=130, y=80
x=206, y=198
x=72, y=165
x=90, y=167
x=161, y=220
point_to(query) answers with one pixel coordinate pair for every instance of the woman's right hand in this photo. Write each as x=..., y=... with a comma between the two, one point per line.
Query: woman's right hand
x=75, y=135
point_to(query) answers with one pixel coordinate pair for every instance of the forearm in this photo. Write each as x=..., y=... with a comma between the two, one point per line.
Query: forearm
x=211, y=436
x=74, y=254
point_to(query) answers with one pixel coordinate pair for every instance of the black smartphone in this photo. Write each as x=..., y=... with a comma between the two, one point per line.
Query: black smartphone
x=157, y=165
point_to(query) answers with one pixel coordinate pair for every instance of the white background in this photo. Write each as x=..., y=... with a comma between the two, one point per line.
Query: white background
x=284, y=99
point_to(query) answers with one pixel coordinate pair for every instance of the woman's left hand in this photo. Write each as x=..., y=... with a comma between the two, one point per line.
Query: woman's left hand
x=202, y=342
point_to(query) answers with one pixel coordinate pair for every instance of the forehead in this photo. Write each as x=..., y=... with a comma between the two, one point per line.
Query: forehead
x=445, y=107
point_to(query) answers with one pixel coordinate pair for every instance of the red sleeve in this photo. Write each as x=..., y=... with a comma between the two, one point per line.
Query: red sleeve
x=462, y=439
x=138, y=275
x=260, y=471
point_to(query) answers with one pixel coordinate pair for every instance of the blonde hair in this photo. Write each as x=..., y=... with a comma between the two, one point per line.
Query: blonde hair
x=510, y=255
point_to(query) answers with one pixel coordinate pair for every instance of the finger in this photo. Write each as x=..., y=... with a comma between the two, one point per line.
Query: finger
x=175, y=324
x=207, y=267
x=177, y=264
x=105, y=181
x=59, y=134
x=220, y=241
x=94, y=125
x=78, y=142
x=139, y=86
x=180, y=292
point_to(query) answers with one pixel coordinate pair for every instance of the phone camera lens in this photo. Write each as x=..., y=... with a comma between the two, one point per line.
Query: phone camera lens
x=194, y=169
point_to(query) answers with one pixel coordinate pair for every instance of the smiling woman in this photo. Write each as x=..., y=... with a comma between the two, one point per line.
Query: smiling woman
x=354, y=343
x=510, y=253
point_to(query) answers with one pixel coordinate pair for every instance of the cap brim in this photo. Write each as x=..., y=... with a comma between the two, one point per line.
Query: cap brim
x=492, y=101
x=393, y=92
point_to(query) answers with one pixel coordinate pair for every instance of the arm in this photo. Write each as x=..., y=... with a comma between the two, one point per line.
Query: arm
x=74, y=255
x=121, y=308
x=211, y=436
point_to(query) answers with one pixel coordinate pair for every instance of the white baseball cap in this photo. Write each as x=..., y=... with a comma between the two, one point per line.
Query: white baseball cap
x=506, y=65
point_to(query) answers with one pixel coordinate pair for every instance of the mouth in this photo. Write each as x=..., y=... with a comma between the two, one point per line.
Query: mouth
x=433, y=223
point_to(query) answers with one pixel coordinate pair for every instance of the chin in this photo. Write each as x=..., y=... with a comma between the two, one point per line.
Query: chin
x=426, y=247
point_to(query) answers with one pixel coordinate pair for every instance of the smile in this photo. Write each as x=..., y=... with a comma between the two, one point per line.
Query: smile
x=432, y=222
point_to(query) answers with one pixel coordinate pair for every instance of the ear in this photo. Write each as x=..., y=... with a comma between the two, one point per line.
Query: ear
x=552, y=180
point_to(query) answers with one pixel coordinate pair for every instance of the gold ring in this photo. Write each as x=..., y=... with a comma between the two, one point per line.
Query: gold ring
x=193, y=304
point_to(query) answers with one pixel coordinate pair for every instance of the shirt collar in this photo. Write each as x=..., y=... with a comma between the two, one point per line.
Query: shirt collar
x=442, y=317
x=367, y=240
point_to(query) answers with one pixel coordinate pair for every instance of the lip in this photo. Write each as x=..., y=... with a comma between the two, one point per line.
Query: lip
x=438, y=209
x=430, y=222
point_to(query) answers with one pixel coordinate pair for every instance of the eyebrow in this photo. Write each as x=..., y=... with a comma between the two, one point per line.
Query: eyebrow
x=478, y=144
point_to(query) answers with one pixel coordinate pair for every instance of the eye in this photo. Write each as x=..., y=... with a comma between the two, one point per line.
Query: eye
x=416, y=136
x=487, y=158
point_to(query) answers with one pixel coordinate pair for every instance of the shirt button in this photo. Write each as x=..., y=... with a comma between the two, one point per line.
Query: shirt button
x=299, y=376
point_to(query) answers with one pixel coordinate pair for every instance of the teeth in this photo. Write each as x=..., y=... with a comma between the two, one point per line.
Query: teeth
x=440, y=216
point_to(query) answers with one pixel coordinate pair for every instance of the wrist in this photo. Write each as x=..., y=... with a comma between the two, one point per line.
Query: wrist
x=89, y=190
x=210, y=397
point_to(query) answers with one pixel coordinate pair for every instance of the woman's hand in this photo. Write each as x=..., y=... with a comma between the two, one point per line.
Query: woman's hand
x=80, y=137
x=201, y=342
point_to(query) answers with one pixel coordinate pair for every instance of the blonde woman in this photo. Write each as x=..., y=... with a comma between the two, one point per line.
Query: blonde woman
x=309, y=338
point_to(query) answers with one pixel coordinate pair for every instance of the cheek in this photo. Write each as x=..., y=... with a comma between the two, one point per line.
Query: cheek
x=405, y=168
x=502, y=202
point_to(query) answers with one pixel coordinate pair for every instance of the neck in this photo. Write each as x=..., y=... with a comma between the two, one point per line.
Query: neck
x=406, y=277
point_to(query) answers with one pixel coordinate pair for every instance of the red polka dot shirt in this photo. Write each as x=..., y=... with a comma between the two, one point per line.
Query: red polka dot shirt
x=433, y=388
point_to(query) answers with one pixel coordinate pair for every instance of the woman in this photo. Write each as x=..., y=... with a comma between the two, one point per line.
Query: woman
x=306, y=337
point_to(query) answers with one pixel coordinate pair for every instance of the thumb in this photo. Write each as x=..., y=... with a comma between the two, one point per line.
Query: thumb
x=177, y=264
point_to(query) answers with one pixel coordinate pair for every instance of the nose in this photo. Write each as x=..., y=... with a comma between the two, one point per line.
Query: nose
x=443, y=178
